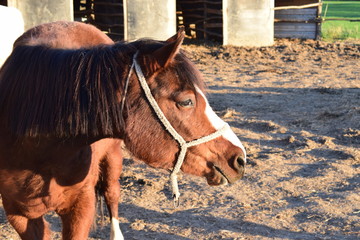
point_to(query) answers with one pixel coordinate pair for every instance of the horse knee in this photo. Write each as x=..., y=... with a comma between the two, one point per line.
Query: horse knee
x=112, y=190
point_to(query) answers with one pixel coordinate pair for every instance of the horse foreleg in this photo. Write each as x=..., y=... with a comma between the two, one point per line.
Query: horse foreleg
x=78, y=218
x=28, y=229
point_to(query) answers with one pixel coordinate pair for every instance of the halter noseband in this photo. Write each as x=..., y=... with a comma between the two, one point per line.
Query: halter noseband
x=184, y=145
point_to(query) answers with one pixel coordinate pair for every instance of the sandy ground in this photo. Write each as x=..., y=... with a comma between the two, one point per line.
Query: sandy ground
x=296, y=108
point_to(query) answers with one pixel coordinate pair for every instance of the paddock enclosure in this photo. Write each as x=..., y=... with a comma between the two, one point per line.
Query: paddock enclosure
x=295, y=106
x=231, y=22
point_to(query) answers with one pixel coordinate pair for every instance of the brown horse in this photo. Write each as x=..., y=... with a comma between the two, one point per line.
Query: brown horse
x=55, y=103
x=74, y=35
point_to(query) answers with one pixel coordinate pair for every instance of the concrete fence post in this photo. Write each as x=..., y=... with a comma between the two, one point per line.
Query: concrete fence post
x=248, y=23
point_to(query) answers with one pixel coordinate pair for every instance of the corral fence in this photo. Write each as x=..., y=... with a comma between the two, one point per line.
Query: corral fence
x=107, y=15
x=237, y=22
x=204, y=19
x=297, y=19
x=324, y=18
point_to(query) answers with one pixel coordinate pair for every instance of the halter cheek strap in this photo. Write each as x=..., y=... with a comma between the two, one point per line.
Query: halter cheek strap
x=184, y=145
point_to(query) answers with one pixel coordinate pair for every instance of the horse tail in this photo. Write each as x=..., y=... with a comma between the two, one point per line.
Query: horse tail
x=99, y=192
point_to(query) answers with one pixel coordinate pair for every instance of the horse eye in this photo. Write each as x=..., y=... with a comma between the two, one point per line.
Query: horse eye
x=186, y=103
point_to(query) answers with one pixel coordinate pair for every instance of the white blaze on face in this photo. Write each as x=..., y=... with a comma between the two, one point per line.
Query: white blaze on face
x=218, y=123
x=116, y=233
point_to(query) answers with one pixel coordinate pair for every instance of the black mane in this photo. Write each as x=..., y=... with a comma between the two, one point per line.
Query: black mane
x=47, y=91
x=63, y=93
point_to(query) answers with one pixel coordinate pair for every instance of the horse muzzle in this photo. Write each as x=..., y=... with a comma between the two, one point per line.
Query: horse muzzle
x=223, y=177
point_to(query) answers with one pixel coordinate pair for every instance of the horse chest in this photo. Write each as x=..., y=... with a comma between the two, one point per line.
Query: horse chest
x=37, y=194
x=43, y=182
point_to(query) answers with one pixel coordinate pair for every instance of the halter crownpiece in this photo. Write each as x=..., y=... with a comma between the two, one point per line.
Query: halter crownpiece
x=127, y=82
x=184, y=145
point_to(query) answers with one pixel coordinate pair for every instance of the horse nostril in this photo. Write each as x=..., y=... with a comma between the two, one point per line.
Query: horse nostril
x=241, y=161
x=239, y=165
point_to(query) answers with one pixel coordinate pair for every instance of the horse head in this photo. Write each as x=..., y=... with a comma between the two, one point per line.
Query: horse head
x=177, y=88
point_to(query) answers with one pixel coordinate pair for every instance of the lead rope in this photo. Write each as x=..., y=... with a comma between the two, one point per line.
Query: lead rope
x=183, y=144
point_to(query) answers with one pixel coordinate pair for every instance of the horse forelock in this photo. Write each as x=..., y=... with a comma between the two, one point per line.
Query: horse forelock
x=187, y=71
x=47, y=91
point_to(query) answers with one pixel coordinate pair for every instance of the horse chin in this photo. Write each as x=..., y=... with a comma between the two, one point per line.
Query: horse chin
x=219, y=178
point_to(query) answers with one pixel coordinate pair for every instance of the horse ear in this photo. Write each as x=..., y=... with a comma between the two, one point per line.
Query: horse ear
x=177, y=35
x=166, y=54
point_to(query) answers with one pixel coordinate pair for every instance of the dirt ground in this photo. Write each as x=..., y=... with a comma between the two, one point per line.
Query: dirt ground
x=296, y=108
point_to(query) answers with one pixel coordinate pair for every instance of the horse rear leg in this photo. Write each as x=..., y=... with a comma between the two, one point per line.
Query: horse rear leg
x=111, y=167
x=28, y=229
x=78, y=218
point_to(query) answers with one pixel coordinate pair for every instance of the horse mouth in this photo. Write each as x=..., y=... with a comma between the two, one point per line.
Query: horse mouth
x=224, y=180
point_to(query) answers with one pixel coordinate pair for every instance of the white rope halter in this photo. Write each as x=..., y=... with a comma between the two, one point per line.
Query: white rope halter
x=183, y=144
